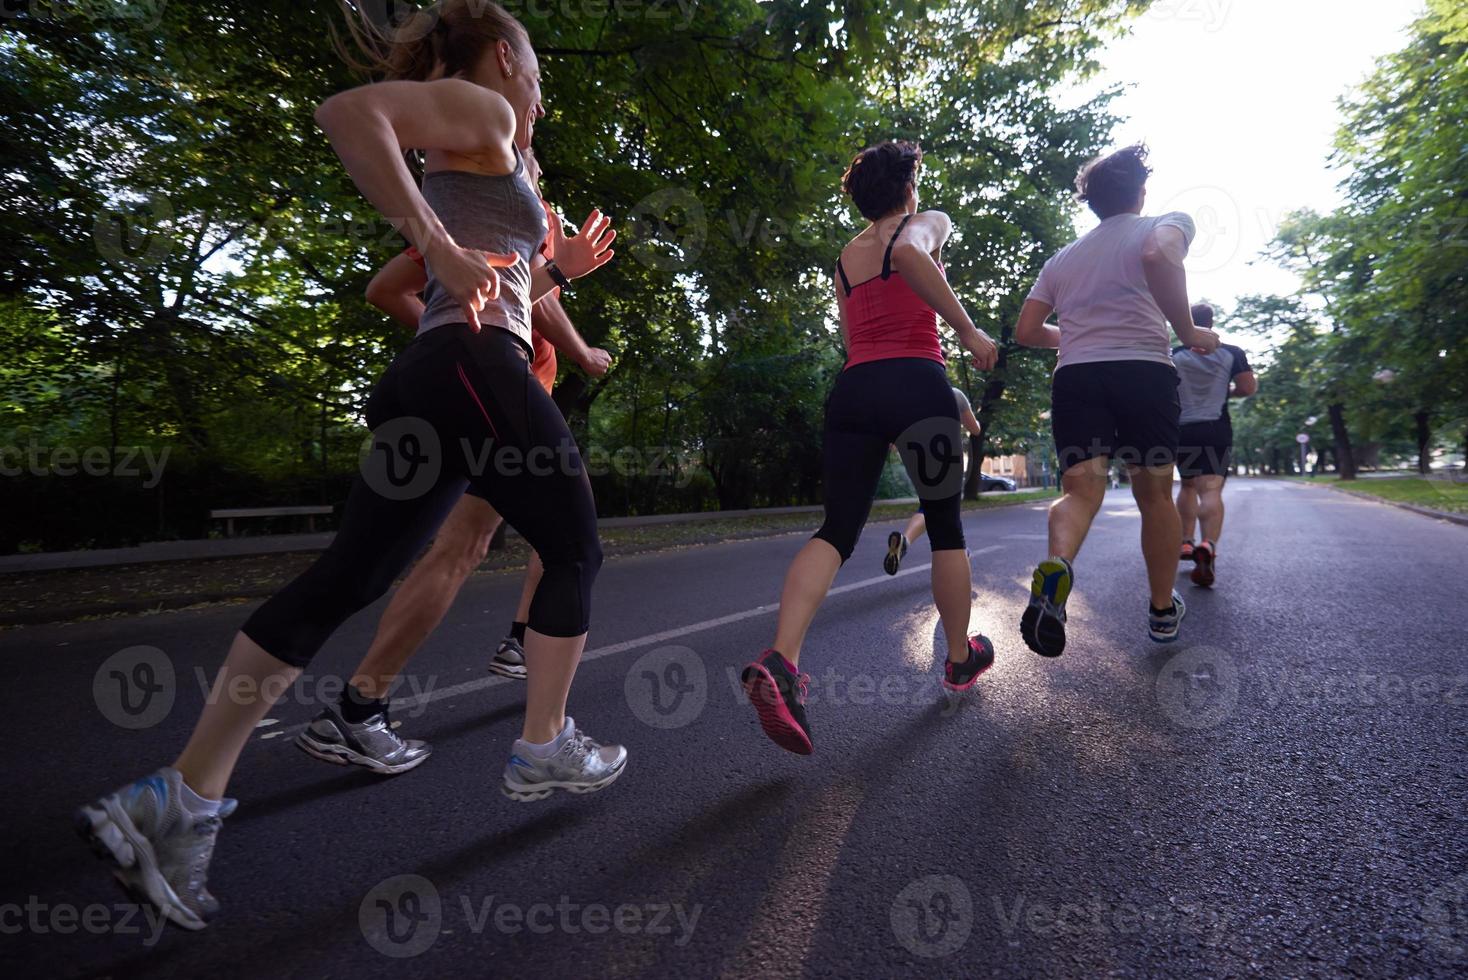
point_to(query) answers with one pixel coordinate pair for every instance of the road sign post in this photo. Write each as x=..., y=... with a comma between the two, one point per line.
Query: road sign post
x=1303, y=439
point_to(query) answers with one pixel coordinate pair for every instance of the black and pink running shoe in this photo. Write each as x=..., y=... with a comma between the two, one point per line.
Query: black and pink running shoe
x=778, y=695
x=961, y=677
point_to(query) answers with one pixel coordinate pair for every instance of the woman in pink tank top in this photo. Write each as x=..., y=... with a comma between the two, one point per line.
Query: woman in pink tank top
x=894, y=390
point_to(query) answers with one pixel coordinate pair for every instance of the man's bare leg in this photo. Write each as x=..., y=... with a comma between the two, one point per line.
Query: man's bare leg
x=425, y=596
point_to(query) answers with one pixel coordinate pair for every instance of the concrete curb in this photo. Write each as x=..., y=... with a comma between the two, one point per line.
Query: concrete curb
x=280, y=544
x=123, y=607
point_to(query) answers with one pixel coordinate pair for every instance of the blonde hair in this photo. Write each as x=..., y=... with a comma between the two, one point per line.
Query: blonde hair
x=443, y=40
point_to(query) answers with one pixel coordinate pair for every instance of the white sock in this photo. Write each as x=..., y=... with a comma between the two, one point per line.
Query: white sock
x=548, y=749
x=195, y=804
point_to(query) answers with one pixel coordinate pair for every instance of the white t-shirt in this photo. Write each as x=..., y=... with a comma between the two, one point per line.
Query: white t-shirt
x=1099, y=292
x=962, y=400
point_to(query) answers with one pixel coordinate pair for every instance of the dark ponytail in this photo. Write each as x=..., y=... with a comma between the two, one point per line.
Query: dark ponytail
x=880, y=175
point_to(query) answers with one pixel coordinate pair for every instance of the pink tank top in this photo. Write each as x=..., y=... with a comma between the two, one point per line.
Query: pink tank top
x=886, y=319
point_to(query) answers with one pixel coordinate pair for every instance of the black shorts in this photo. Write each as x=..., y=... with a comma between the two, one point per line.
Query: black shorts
x=1205, y=448
x=1127, y=410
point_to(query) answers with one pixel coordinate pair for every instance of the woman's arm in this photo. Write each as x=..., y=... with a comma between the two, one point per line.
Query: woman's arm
x=1032, y=330
x=549, y=319
x=395, y=288
x=914, y=260
x=371, y=125
x=928, y=230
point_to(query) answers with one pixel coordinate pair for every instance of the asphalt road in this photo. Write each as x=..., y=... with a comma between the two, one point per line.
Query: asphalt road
x=1280, y=793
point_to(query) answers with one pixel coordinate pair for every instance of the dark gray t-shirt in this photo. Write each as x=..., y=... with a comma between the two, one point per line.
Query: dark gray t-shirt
x=1203, y=380
x=495, y=214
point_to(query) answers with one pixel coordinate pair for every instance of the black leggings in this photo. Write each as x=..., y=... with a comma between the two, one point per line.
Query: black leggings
x=454, y=410
x=906, y=402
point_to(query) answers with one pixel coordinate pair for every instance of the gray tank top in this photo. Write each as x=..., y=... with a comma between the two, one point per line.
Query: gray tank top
x=494, y=214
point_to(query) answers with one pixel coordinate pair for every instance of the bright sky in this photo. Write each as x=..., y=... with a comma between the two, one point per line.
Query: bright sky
x=1237, y=100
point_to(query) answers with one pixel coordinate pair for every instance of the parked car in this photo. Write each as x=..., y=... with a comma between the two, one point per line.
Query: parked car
x=987, y=483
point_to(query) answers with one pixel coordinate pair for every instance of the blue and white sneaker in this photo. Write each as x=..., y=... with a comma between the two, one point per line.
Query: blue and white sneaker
x=578, y=766
x=158, y=850
x=1163, y=627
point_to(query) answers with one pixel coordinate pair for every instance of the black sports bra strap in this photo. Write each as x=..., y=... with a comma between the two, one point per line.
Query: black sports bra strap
x=842, y=273
x=887, y=258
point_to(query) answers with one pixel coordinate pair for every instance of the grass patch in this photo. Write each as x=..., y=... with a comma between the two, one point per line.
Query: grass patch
x=1444, y=495
x=83, y=593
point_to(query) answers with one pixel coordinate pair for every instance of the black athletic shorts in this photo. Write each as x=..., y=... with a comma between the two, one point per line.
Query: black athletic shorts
x=1127, y=410
x=1205, y=448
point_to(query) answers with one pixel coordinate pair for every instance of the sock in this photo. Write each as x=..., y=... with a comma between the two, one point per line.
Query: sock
x=356, y=707
x=1187, y=540
x=548, y=749
x=195, y=804
x=1171, y=608
x=517, y=630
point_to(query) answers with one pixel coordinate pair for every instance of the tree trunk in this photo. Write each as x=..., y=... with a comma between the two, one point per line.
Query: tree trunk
x=988, y=406
x=975, y=464
x=1345, y=460
x=1424, y=436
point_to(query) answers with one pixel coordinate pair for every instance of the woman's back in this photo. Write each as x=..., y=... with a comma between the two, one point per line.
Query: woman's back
x=884, y=318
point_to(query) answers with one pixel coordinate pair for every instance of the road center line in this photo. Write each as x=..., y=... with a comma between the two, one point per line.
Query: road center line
x=403, y=706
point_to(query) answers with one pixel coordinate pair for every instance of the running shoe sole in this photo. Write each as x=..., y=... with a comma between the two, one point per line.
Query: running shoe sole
x=341, y=755
x=115, y=839
x=774, y=717
x=893, y=561
x=1203, y=568
x=1044, y=632
x=507, y=670
x=525, y=793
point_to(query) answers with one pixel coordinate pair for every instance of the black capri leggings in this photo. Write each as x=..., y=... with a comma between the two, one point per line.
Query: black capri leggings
x=454, y=410
x=906, y=402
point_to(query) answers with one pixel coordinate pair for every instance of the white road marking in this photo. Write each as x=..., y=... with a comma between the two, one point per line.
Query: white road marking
x=405, y=705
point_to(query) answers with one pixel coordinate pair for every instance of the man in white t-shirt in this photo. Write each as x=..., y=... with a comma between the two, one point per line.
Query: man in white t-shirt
x=1114, y=393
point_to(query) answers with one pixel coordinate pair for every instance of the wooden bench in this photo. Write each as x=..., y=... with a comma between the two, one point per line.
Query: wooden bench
x=229, y=514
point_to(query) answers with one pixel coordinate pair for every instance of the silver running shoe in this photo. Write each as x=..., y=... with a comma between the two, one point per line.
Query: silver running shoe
x=1164, y=628
x=579, y=766
x=159, y=851
x=509, y=659
x=372, y=744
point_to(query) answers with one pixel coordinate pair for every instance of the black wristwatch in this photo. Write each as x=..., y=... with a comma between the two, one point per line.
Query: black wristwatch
x=557, y=276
